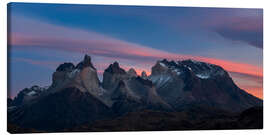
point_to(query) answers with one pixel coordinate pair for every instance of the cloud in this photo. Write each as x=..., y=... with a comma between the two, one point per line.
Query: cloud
x=248, y=29
x=250, y=83
x=124, y=50
x=48, y=64
x=258, y=80
x=44, y=35
x=237, y=32
x=36, y=34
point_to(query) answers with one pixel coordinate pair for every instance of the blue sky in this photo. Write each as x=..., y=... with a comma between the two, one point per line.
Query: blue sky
x=42, y=36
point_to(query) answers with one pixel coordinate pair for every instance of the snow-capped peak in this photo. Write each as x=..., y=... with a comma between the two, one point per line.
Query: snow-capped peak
x=202, y=70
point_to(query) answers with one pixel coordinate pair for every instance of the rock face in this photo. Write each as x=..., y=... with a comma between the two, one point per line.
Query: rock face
x=112, y=76
x=129, y=92
x=192, y=82
x=83, y=77
x=137, y=94
x=182, y=95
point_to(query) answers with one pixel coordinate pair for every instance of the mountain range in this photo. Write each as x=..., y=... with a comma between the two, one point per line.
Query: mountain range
x=177, y=95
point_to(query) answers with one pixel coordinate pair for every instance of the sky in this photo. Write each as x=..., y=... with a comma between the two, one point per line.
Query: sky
x=43, y=36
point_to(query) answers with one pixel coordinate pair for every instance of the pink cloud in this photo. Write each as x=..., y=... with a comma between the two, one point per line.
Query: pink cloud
x=106, y=46
x=251, y=84
x=87, y=42
x=49, y=64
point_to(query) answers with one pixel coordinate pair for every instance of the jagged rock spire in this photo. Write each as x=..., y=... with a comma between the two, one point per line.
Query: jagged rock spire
x=144, y=75
x=160, y=67
x=112, y=75
x=114, y=68
x=87, y=60
x=85, y=63
x=132, y=72
x=115, y=64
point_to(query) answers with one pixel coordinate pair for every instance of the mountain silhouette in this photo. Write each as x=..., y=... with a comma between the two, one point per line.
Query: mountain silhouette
x=178, y=95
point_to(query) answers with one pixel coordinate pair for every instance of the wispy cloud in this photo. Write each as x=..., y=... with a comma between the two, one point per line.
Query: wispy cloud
x=246, y=27
x=250, y=83
x=124, y=50
x=48, y=64
x=76, y=40
x=32, y=33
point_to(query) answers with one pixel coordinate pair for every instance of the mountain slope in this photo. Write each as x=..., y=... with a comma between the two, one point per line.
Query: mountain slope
x=179, y=95
x=193, y=82
x=137, y=94
x=60, y=110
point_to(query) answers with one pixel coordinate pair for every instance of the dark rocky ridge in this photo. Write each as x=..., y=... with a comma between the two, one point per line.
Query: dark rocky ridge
x=9, y=102
x=65, y=67
x=27, y=95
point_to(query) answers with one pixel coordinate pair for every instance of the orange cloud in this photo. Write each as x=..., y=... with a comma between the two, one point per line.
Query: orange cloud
x=250, y=83
x=235, y=66
x=255, y=91
x=125, y=50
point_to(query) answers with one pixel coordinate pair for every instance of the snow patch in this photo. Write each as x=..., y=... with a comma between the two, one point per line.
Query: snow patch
x=45, y=88
x=160, y=80
x=202, y=76
x=73, y=73
x=31, y=93
x=188, y=67
x=162, y=64
x=177, y=71
x=195, y=61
